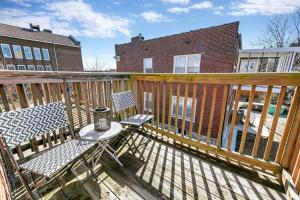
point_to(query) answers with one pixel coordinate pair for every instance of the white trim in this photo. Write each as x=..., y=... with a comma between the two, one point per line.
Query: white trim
x=10, y=65
x=6, y=45
x=40, y=66
x=29, y=66
x=269, y=50
x=48, y=66
x=14, y=47
x=18, y=67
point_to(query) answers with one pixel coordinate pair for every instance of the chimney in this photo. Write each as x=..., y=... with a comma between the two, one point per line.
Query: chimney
x=34, y=27
x=137, y=38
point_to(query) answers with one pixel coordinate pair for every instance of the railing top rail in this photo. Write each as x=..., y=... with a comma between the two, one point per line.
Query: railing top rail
x=16, y=77
x=280, y=79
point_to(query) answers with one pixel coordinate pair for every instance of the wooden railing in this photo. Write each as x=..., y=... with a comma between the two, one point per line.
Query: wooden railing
x=201, y=110
x=198, y=111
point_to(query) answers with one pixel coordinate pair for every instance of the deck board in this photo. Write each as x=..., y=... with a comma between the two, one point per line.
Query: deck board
x=156, y=170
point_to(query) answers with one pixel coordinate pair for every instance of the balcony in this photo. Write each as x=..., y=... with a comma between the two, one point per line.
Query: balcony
x=197, y=147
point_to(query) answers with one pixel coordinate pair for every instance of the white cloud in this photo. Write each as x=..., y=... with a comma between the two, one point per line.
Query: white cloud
x=25, y=3
x=182, y=2
x=152, y=17
x=177, y=10
x=202, y=5
x=93, y=24
x=264, y=7
x=68, y=17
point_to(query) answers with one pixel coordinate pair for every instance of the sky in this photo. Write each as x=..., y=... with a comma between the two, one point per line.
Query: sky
x=100, y=24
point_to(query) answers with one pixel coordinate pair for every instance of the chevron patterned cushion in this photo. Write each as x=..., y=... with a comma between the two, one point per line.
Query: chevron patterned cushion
x=137, y=120
x=56, y=158
x=122, y=100
x=24, y=124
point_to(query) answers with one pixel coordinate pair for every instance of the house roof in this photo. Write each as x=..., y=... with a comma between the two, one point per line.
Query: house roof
x=39, y=36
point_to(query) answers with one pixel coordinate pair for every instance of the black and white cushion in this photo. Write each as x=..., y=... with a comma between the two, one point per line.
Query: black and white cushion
x=24, y=124
x=122, y=101
x=54, y=159
x=137, y=120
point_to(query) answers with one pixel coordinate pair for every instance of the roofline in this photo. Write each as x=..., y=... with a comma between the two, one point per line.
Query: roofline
x=270, y=50
x=41, y=41
x=200, y=29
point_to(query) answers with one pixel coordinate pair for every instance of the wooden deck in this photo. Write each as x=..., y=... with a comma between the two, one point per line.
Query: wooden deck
x=156, y=170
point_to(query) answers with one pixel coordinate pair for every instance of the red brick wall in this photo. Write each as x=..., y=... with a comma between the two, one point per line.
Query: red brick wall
x=218, y=47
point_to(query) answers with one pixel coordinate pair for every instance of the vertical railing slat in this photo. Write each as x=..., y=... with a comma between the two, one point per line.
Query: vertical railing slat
x=201, y=113
x=177, y=106
x=211, y=116
x=193, y=110
x=222, y=114
x=170, y=105
x=247, y=120
x=186, y=93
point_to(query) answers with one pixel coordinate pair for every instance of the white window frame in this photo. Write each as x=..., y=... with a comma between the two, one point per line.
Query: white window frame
x=186, y=62
x=17, y=48
x=4, y=54
x=49, y=67
x=43, y=52
x=10, y=67
x=27, y=52
x=31, y=66
x=18, y=67
x=144, y=67
x=40, y=66
x=145, y=99
x=35, y=55
x=181, y=101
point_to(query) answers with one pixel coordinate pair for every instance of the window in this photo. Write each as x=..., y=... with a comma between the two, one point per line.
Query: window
x=27, y=52
x=181, y=105
x=37, y=53
x=46, y=54
x=149, y=102
x=48, y=68
x=147, y=63
x=187, y=63
x=39, y=68
x=6, y=51
x=21, y=67
x=10, y=67
x=17, y=51
x=31, y=67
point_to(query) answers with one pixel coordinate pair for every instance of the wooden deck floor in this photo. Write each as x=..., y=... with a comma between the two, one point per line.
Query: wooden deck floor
x=161, y=171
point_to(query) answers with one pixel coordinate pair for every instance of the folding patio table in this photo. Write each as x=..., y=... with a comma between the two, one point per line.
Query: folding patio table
x=102, y=138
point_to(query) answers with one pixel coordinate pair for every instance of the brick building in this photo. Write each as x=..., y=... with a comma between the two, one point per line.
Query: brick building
x=209, y=50
x=40, y=50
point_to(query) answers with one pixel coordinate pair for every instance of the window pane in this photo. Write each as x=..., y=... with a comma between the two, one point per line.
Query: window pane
x=39, y=68
x=17, y=51
x=188, y=108
x=194, y=63
x=174, y=105
x=10, y=67
x=179, y=70
x=147, y=62
x=46, y=54
x=180, y=61
x=31, y=67
x=6, y=51
x=27, y=52
x=37, y=53
x=21, y=67
x=48, y=68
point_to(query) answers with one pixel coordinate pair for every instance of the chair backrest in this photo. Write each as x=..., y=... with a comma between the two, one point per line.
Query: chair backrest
x=123, y=100
x=24, y=124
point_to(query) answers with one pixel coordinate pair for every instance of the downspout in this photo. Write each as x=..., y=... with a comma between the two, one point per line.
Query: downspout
x=55, y=56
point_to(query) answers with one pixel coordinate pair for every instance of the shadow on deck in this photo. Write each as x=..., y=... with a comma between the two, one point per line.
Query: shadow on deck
x=156, y=170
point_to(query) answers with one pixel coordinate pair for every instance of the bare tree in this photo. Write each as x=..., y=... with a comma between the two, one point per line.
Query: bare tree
x=277, y=33
x=95, y=65
x=296, y=23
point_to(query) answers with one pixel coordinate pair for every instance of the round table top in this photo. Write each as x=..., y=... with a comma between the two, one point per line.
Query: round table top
x=89, y=133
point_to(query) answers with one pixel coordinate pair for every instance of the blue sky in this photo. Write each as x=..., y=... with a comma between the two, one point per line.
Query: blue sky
x=99, y=24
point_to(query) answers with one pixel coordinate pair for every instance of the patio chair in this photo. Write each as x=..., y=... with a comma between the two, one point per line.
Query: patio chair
x=123, y=101
x=25, y=124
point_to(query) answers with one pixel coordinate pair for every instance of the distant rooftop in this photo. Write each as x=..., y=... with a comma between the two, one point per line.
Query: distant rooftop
x=34, y=33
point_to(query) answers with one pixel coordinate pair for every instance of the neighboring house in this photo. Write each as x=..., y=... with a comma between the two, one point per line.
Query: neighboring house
x=283, y=59
x=208, y=50
x=33, y=49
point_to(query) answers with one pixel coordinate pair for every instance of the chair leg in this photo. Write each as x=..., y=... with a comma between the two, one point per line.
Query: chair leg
x=60, y=187
x=87, y=165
